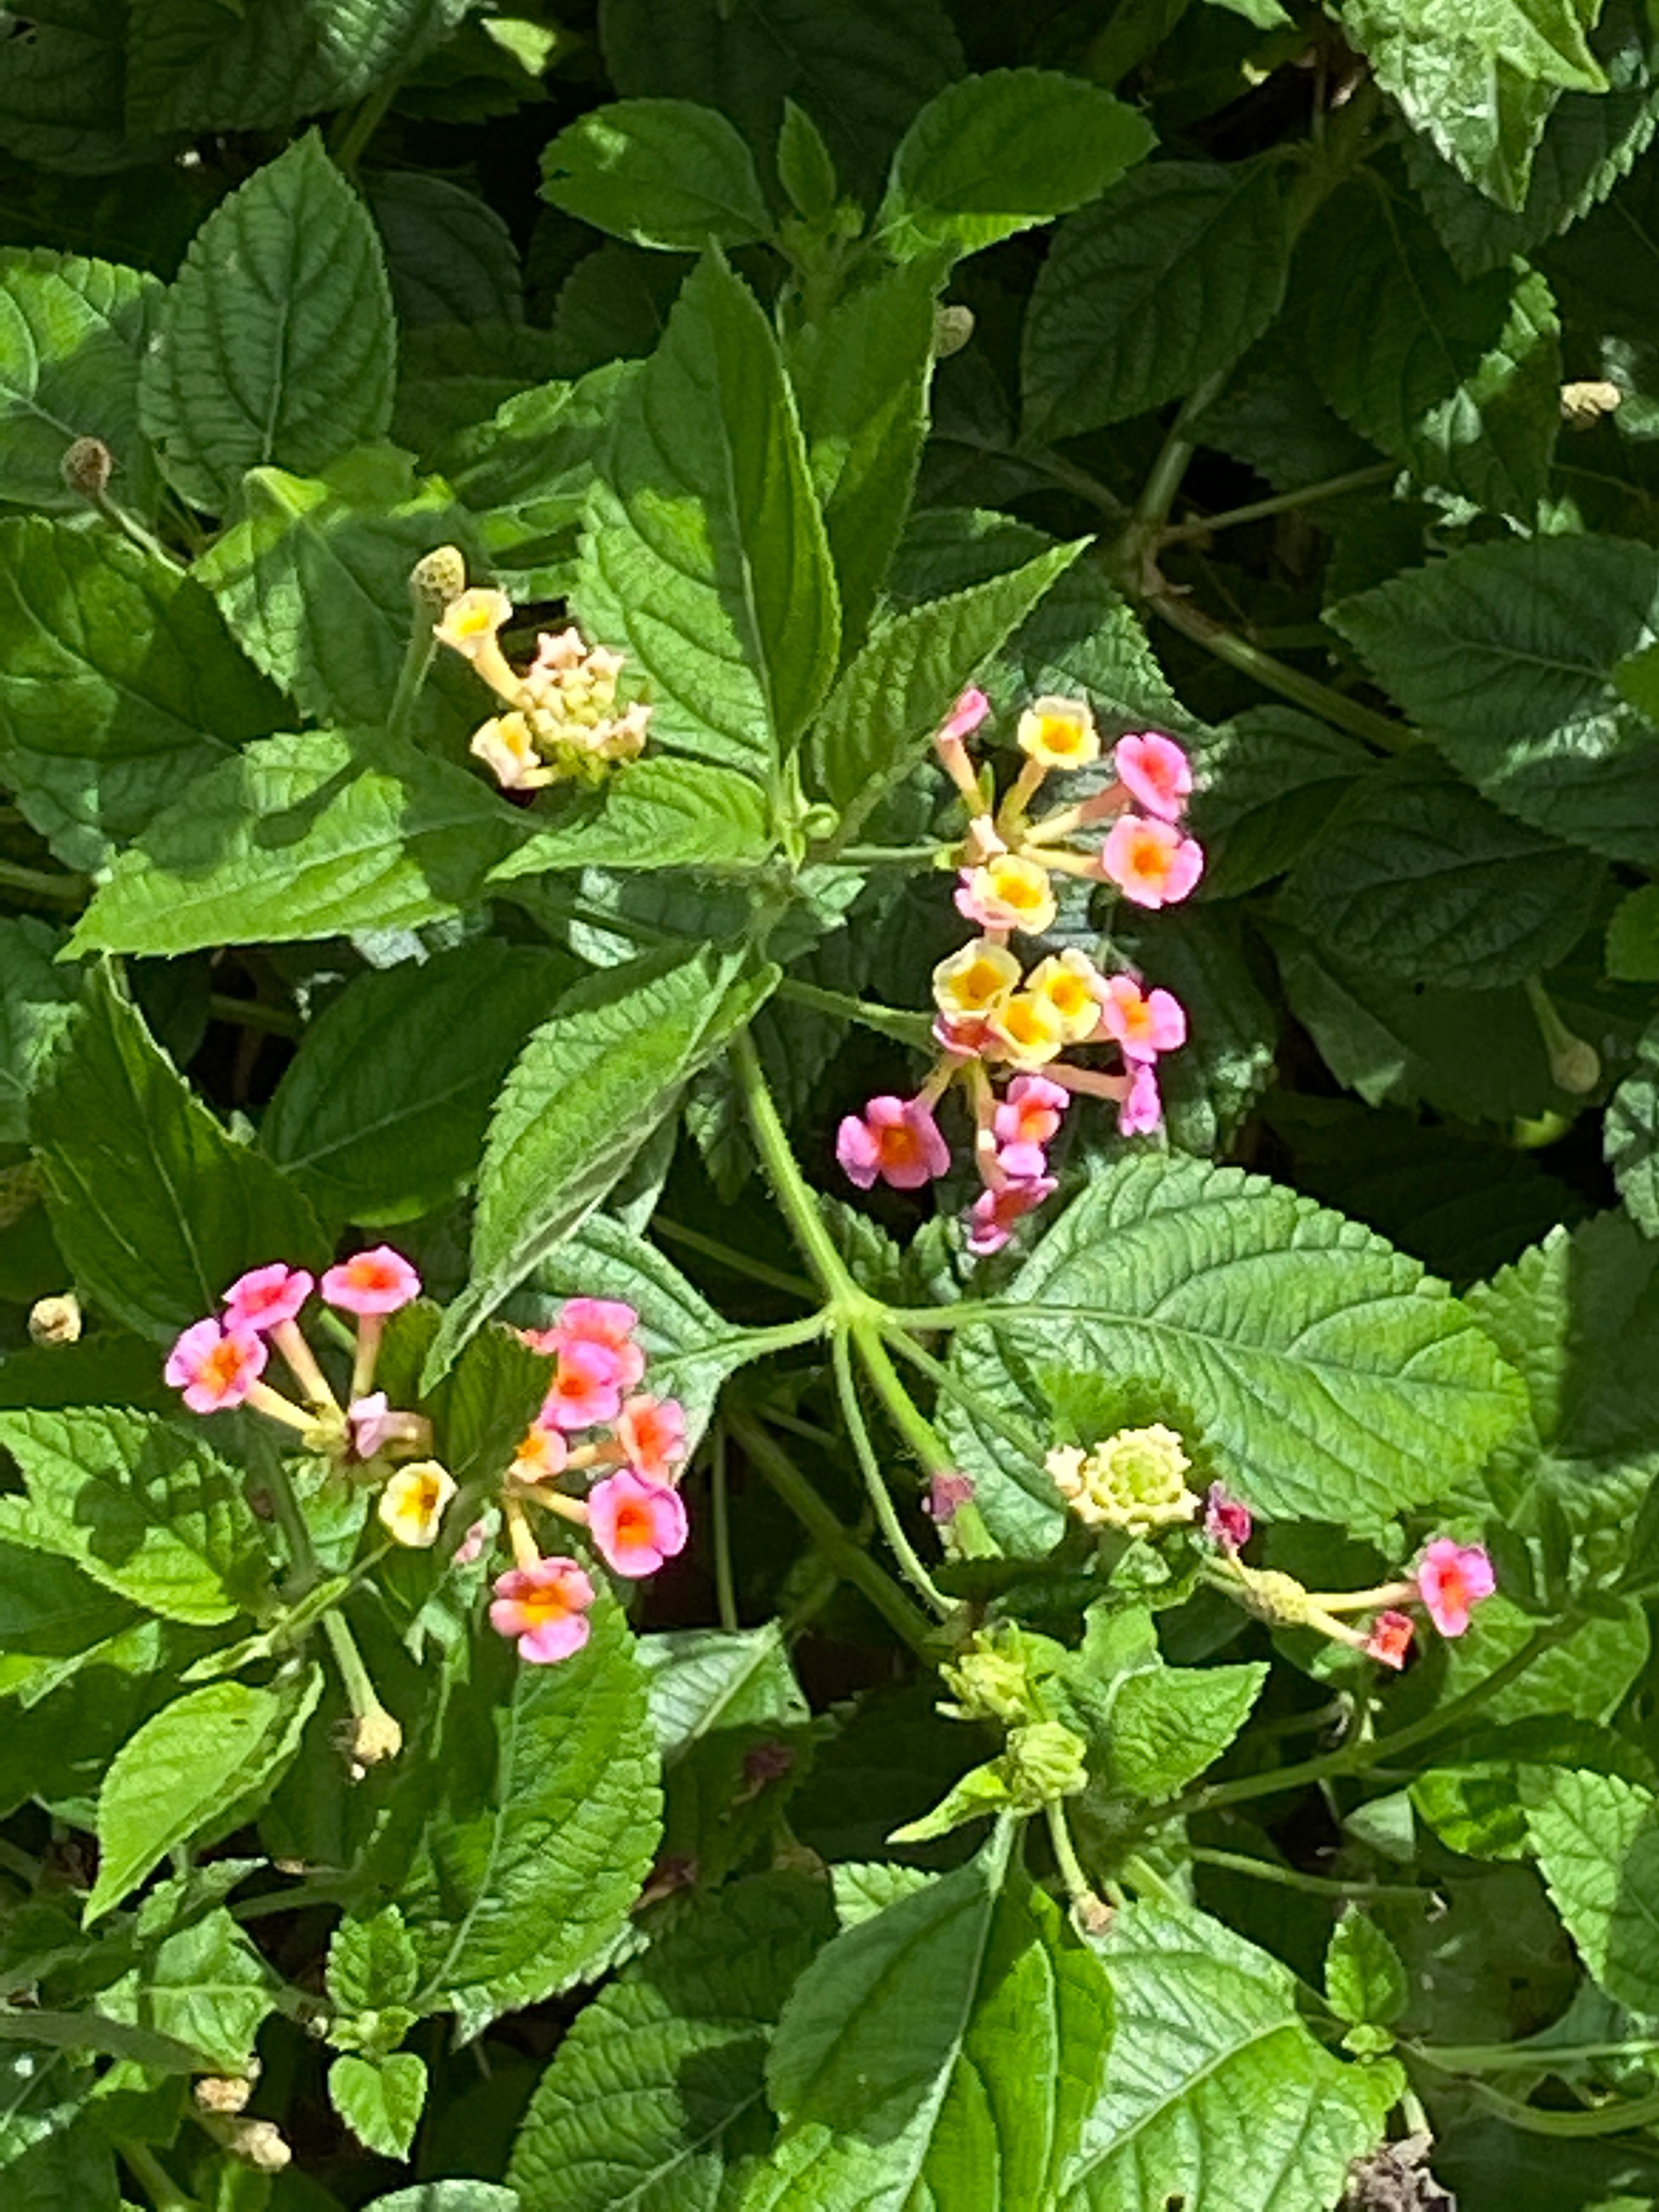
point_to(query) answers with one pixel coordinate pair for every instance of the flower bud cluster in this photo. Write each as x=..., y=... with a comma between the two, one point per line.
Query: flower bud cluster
x=595, y=1422
x=996, y=1015
x=1132, y=1482
x=563, y=721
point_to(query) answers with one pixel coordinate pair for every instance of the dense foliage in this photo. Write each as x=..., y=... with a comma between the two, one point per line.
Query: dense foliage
x=828, y=1315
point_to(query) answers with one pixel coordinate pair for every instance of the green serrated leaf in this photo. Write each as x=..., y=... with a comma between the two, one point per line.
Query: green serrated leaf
x=71, y=335
x=304, y=837
x=1478, y=1805
x=685, y=2028
x=1003, y=2020
x=1176, y=271
x=1597, y=1841
x=383, y=1108
x=705, y=552
x=1271, y=779
x=994, y=155
x=1631, y=1135
x=276, y=342
x=372, y=1963
x=661, y=172
x=877, y=721
x=653, y=814
x=1228, y=2101
x=1417, y=877
x=1504, y=652
x=113, y=655
x=313, y=584
x=588, y=1088
x=1169, y=1724
x=196, y=65
x=200, y=1768
x=1480, y=79
x=806, y=169
x=450, y=257
x=380, y=2100
x=1334, y=1379
x=204, y=1985
x=860, y=374
x=1364, y=1979
x=543, y=1827
x=35, y=996
x=1460, y=378
x=153, y=1206
x=859, y=68
x=146, y=1508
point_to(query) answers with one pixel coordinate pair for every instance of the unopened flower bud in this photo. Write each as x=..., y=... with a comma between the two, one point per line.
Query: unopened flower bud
x=1045, y=1762
x=225, y=2093
x=1133, y=1481
x=258, y=2144
x=55, y=1320
x=1583, y=405
x=989, y=1684
x=87, y=464
x=952, y=328
x=437, y=578
x=373, y=1738
x=1278, y=1599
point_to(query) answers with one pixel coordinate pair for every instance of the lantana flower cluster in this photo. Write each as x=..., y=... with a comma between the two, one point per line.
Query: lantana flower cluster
x=562, y=722
x=1135, y=1483
x=997, y=1018
x=598, y=1432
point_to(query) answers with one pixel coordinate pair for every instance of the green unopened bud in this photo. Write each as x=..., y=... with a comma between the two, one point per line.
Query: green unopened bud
x=990, y=1685
x=87, y=464
x=55, y=1320
x=437, y=578
x=1134, y=1481
x=952, y=328
x=1045, y=1761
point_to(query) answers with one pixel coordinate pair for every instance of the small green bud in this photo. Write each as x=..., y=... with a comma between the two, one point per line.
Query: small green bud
x=437, y=578
x=1045, y=1761
x=87, y=464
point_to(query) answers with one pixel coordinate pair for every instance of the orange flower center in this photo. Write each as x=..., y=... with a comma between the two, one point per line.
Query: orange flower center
x=1149, y=858
x=1069, y=994
x=223, y=1364
x=547, y=1602
x=1061, y=733
x=634, y=1524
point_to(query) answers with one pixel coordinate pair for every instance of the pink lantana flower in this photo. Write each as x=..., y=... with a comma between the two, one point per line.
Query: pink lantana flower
x=964, y=718
x=374, y=1426
x=1227, y=1520
x=471, y=1548
x=1390, y=1639
x=1030, y=1111
x=1451, y=1578
x=637, y=1525
x=216, y=1368
x=1150, y=861
x=543, y=1454
x=1155, y=772
x=265, y=1298
x=994, y=1214
x=1142, y=1111
x=652, y=1431
x=1142, y=1024
x=607, y=1322
x=375, y=1282
x=586, y=1387
x=544, y=1606
x=895, y=1139
x=948, y=1491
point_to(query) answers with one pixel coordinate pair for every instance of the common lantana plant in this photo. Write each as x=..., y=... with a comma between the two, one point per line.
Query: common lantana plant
x=1003, y=1019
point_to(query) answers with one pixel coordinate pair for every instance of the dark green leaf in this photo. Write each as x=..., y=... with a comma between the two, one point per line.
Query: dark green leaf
x=303, y=837
x=450, y=257
x=994, y=155
x=1176, y=271
x=588, y=1088
x=383, y=1108
x=705, y=552
x=653, y=814
x=662, y=173
x=71, y=334
x=35, y=996
x=276, y=341
x=155, y=1207
x=1630, y=1136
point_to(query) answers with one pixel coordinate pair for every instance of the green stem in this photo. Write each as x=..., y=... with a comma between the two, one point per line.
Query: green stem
x=914, y=1029
x=740, y=1263
x=301, y=1898
x=1061, y=472
x=303, y=1570
x=361, y=1694
x=44, y=884
x=417, y=660
x=974, y=1401
x=887, y=856
x=365, y=122
x=1065, y=1858
x=726, y=1596
x=1603, y=2120
x=795, y=1197
x=1381, y=1750
x=164, y=2192
x=1158, y=493
x=18, y=1863
x=880, y=1496
x=1226, y=645
x=854, y=1566
x=1284, y=503
x=1143, y=1876
x=254, y=1014
x=1291, y=1878
x=134, y=530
